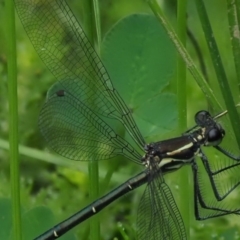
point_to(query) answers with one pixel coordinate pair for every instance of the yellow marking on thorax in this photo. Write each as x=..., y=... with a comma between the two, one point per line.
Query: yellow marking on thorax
x=164, y=161
x=180, y=149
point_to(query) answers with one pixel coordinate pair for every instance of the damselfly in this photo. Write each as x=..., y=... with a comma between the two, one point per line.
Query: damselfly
x=75, y=122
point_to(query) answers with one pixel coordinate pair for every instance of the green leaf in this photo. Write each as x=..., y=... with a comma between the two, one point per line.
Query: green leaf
x=141, y=60
x=5, y=218
x=161, y=117
x=34, y=222
x=37, y=221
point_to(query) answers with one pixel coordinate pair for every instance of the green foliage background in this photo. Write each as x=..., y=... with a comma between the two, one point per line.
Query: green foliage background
x=61, y=187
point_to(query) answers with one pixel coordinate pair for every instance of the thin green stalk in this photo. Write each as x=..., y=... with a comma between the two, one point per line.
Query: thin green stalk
x=121, y=229
x=97, y=28
x=184, y=54
x=233, y=19
x=92, y=26
x=182, y=111
x=237, y=2
x=219, y=69
x=13, y=121
x=48, y=157
x=181, y=67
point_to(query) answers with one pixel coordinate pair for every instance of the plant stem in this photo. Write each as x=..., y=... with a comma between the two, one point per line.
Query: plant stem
x=233, y=19
x=181, y=67
x=92, y=26
x=182, y=112
x=13, y=122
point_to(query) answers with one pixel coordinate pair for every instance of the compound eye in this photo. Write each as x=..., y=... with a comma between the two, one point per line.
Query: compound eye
x=201, y=118
x=215, y=136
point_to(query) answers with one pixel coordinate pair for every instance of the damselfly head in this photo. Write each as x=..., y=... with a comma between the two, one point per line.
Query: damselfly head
x=212, y=132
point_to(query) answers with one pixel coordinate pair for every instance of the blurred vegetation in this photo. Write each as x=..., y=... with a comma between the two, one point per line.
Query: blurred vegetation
x=63, y=189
